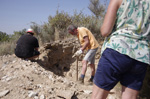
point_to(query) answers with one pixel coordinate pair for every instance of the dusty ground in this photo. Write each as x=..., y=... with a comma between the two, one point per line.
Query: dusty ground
x=46, y=78
x=21, y=79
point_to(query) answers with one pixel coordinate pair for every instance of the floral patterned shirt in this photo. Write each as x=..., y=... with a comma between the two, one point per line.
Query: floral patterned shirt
x=131, y=33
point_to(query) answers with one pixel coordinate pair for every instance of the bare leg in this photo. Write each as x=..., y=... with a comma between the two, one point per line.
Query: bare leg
x=128, y=93
x=84, y=67
x=99, y=93
x=92, y=66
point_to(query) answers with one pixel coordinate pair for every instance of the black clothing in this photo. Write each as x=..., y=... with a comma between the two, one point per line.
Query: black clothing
x=26, y=46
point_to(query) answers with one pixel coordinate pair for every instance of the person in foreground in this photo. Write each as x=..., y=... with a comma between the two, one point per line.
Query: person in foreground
x=126, y=50
x=27, y=46
x=89, y=43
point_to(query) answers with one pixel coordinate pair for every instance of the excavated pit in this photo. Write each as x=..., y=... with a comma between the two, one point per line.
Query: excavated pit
x=57, y=56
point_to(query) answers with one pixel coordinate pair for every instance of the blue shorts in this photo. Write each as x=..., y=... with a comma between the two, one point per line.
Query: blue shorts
x=114, y=67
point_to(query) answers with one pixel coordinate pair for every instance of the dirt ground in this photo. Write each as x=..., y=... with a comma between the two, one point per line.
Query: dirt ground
x=20, y=79
x=52, y=76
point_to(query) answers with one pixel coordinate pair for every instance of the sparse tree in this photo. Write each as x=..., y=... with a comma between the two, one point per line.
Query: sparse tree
x=36, y=28
x=97, y=8
x=59, y=22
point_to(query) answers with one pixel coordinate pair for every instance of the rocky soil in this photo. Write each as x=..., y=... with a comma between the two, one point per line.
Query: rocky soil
x=52, y=76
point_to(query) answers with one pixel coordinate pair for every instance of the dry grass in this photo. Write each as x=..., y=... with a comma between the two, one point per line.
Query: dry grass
x=7, y=48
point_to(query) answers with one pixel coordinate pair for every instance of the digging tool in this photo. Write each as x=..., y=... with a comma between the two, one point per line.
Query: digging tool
x=77, y=58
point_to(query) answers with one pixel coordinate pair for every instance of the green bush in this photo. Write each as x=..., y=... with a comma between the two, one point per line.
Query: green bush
x=3, y=37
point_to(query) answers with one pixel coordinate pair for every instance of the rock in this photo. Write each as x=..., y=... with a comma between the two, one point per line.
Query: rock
x=32, y=94
x=87, y=91
x=36, y=97
x=42, y=97
x=4, y=93
x=67, y=94
x=6, y=78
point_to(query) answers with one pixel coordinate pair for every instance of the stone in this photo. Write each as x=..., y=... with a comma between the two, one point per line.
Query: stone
x=67, y=94
x=4, y=93
x=32, y=94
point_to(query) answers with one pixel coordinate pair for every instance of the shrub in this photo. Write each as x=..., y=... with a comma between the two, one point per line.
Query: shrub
x=7, y=48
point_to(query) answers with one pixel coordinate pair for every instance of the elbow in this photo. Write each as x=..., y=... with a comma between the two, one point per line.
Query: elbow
x=104, y=32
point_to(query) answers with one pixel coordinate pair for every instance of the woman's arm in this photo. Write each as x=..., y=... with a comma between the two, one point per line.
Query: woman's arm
x=110, y=17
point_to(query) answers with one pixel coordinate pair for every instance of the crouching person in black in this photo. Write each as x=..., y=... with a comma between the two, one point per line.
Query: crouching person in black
x=27, y=46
